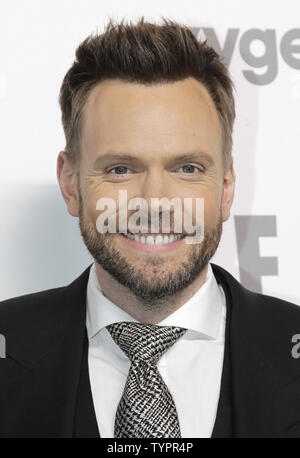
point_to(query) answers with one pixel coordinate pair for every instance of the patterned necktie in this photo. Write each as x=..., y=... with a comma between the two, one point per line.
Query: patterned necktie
x=146, y=408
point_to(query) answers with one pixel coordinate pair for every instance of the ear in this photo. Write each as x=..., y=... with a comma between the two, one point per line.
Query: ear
x=67, y=179
x=228, y=191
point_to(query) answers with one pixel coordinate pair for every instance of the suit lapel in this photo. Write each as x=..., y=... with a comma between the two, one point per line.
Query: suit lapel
x=223, y=426
x=85, y=423
x=259, y=378
x=246, y=403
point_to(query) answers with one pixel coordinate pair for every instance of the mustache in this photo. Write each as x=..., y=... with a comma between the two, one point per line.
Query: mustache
x=144, y=222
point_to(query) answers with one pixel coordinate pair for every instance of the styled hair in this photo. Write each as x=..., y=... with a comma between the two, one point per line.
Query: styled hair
x=144, y=53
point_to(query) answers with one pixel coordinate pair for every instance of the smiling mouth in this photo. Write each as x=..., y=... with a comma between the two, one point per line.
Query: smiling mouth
x=154, y=239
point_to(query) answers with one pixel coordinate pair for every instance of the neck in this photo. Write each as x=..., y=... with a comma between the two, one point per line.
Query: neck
x=130, y=303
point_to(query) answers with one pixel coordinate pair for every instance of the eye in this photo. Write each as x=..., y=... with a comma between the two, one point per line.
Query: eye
x=119, y=170
x=189, y=168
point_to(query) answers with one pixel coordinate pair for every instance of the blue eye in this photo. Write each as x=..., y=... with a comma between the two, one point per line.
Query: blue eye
x=119, y=170
x=189, y=168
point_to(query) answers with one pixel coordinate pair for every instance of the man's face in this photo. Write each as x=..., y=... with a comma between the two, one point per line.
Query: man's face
x=132, y=138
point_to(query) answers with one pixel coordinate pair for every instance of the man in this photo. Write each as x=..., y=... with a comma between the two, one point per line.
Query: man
x=152, y=339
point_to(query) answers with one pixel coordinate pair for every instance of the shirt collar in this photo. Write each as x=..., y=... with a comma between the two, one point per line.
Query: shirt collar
x=201, y=314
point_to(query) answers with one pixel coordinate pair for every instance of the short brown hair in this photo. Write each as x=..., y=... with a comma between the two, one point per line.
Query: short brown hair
x=144, y=53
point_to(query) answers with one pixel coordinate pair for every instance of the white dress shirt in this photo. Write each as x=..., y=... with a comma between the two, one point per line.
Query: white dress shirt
x=191, y=368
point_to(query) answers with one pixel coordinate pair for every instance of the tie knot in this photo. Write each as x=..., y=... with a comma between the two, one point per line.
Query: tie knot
x=144, y=342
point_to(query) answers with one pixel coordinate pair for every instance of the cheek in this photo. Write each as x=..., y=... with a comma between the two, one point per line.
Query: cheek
x=212, y=206
x=90, y=200
x=98, y=203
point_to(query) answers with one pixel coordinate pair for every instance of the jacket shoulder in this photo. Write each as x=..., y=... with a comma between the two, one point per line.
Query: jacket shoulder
x=254, y=302
x=43, y=304
x=34, y=323
x=30, y=301
x=31, y=297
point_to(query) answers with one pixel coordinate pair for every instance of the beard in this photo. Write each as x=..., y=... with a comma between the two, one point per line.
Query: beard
x=151, y=282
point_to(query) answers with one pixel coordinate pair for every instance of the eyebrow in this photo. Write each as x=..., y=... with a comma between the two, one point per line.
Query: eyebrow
x=114, y=157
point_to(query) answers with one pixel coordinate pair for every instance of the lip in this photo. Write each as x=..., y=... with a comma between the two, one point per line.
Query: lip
x=152, y=248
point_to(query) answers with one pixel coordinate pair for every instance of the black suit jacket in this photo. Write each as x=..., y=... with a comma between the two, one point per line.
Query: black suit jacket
x=44, y=383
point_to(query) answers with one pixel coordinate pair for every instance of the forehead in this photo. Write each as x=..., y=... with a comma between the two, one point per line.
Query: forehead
x=155, y=119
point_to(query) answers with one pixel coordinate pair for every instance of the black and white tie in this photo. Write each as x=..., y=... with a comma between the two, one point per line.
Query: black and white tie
x=146, y=408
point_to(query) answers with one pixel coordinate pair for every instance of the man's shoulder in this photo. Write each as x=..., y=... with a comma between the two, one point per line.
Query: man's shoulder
x=42, y=303
x=30, y=300
x=253, y=302
x=33, y=324
x=32, y=314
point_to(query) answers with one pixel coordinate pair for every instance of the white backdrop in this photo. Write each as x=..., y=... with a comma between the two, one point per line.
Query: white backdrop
x=40, y=242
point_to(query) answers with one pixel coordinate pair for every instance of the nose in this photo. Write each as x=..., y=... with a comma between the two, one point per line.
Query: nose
x=155, y=184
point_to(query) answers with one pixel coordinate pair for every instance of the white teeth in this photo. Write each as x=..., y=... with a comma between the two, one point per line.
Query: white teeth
x=159, y=240
x=156, y=239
